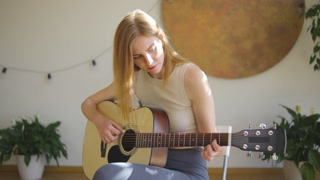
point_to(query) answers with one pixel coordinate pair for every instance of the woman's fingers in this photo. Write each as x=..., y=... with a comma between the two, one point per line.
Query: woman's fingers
x=212, y=150
x=111, y=132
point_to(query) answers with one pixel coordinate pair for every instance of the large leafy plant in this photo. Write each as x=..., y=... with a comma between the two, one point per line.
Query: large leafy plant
x=29, y=137
x=313, y=13
x=303, y=141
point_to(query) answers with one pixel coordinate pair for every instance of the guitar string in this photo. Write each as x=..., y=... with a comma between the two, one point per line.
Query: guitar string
x=223, y=140
x=236, y=137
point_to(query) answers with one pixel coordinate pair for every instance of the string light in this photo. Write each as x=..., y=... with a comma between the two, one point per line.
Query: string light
x=4, y=70
x=49, y=74
x=94, y=63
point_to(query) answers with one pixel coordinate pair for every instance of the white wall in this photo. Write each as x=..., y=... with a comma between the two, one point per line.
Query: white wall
x=61, y=37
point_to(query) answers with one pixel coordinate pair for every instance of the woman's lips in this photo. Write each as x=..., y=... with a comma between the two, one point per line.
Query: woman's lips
x=152, y=67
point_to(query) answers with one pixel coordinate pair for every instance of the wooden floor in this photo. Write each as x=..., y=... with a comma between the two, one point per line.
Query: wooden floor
x=76, y=173
x=80, y=176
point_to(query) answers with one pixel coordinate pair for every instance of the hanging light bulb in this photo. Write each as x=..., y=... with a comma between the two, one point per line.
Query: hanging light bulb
x=4, y=70
x=94, y=63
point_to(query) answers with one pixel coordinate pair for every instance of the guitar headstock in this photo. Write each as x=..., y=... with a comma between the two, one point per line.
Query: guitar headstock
x=260, y=140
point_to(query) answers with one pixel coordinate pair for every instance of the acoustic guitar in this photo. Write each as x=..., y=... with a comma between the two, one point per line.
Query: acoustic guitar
x=146, y=139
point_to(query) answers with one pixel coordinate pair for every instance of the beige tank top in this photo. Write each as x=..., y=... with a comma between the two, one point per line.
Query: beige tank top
x=171, y=98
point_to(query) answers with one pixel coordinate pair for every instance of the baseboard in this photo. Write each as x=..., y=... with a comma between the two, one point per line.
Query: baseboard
x=248, y=171
x=78, y=169
x=54, y=169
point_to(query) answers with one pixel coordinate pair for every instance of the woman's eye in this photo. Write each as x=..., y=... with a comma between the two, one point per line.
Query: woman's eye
x=136, y=57
x=153, y=48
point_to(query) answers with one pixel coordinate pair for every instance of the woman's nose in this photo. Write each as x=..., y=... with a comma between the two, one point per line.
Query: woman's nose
x=148, y=59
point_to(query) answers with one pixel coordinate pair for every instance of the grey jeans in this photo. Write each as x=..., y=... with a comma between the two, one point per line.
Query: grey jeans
x=184, y=164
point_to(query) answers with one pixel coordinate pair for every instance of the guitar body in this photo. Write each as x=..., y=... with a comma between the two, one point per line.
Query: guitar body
x=142, y=120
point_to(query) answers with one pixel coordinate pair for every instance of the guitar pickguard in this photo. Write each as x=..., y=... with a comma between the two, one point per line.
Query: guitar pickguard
x=115, y=155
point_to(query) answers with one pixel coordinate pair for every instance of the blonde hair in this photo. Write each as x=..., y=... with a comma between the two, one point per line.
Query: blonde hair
x=135, y=24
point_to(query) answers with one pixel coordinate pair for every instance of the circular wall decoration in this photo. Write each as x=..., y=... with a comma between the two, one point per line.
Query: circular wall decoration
x=233, y=39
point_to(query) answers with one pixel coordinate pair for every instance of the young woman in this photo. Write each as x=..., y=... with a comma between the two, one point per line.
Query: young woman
x=146, y=68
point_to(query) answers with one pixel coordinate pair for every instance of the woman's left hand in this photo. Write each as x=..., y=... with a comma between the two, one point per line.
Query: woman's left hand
x=212, y=150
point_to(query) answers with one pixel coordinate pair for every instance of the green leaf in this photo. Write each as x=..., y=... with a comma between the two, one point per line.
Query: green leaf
x=307, y=171
x=312, y=59
x=309, y=120
x=290, y=111
x=314, y=158
x=312, y=12
x=27, y=159
x=316, y=48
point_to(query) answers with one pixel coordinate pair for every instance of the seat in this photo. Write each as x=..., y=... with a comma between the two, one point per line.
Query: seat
x=225, y=129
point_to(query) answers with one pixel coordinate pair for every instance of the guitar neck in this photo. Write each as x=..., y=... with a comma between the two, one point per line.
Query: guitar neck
x=178, y=139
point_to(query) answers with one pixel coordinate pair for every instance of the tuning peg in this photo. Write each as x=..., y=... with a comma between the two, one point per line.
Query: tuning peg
x=274, y=157
x=261, y=155
x=249, y=154
x=263, y=126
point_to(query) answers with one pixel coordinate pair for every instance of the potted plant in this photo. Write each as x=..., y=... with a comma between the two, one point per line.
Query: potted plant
x=33, y=140
x=303, y=142
x=313, y=13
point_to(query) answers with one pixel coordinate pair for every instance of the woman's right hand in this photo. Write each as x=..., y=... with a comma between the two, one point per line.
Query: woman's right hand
x=108, y=129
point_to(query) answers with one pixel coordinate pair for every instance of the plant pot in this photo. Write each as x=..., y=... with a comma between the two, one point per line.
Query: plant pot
x=290, y=171
x=34, y=170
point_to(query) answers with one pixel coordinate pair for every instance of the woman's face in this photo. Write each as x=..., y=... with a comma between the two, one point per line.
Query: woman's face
x=148, y=55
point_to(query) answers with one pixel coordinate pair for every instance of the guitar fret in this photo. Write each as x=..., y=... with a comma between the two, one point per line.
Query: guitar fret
x=141, y=142
x=203, y=139
x=196, y=139
x=144, y=141
x=165, y=138
x=182, y=139
x=149, y=140
x=159, y=140
x=172, y=140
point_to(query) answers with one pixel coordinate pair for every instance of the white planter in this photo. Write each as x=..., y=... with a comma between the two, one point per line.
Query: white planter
x=35, y=169
x=290, y=171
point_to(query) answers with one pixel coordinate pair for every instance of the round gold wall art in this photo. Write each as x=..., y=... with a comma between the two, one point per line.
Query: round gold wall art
x=233, y=39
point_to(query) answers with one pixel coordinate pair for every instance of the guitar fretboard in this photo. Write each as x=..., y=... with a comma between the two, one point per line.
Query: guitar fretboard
x=178, y=139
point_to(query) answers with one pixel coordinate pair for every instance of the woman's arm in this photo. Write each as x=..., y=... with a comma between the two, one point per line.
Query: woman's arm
x=199, y=92
x=108, y=129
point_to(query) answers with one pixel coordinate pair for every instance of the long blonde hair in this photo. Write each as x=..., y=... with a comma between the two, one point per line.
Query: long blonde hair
x=135, y=24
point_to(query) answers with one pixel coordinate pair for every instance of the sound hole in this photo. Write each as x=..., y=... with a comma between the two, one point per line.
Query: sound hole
x=129, y=140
